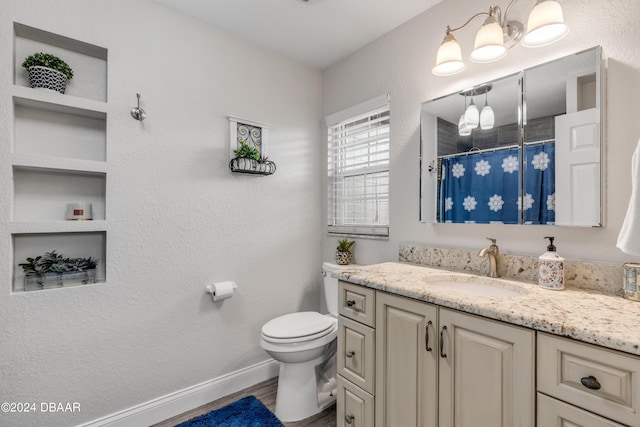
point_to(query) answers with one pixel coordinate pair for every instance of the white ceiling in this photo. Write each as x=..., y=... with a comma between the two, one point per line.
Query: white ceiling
x=317, y=32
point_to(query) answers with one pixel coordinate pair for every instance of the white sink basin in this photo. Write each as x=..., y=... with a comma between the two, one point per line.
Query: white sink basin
x=479, y=286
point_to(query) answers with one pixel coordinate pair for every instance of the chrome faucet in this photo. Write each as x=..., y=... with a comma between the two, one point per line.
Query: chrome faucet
x=492, y=252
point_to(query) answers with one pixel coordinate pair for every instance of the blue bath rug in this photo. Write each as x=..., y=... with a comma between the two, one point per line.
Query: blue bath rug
x=246, y=412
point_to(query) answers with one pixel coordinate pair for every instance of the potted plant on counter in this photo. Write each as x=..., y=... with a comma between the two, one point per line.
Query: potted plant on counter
x=343, y=251
x=47, y=71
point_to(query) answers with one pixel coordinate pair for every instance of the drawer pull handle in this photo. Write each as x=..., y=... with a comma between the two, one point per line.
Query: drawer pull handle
x=351, y=303
x=350, y=354
x=442, y=353
x=590, y=382
x=349, y=419
x=426, y=336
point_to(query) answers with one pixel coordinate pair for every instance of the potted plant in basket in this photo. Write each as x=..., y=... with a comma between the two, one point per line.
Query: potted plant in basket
x=55, y=270
x=343, y=253
x=47, y=71
x=248, y=159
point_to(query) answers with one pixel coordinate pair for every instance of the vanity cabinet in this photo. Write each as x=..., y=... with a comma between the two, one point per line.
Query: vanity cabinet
x=356, y=356
x=575, y=377
x=433, y=366
x=486, y=372
x=406, y=362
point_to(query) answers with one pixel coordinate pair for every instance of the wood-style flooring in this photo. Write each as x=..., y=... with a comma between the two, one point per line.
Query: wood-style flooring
x=266, y=392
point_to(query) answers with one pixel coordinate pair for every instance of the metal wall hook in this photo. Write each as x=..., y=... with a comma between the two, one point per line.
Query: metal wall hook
x=137, y=112
x=431, y=168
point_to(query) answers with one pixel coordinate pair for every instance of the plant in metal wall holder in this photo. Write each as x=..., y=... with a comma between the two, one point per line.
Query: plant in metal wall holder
x=343, y=251
x=47, y=71
x=249, y=160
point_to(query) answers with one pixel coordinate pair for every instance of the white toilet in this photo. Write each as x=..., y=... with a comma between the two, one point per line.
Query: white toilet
x=305, y=345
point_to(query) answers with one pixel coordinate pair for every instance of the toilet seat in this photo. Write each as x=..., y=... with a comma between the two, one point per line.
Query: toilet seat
x=298, y=327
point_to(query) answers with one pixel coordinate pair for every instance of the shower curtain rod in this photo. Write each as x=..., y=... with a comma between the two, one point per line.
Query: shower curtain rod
x=472, y=151
x=492, y=150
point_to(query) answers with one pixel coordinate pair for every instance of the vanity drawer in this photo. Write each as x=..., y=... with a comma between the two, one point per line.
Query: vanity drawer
x=354, y=407
x=357, y=303
x=603, y=381
x=552, y=412
x=356, y=353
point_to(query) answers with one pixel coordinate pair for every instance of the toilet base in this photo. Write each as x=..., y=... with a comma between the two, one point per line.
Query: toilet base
x=297, y=396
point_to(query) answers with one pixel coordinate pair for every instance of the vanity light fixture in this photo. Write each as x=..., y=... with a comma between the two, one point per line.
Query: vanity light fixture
x=544, y=26
x=472, y=115
x=463, y=128
x=471, y=118
x=487, y=117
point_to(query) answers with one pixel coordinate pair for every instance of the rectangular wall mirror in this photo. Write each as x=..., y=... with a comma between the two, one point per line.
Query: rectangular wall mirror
x=522, y=149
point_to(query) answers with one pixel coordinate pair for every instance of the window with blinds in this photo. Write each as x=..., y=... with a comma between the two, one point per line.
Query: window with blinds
x=358, y=170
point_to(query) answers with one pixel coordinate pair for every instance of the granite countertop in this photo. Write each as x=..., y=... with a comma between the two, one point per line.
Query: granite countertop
x=589, y=316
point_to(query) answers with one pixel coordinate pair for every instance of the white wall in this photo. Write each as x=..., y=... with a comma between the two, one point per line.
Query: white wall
x=400, y=63
x=177, y=217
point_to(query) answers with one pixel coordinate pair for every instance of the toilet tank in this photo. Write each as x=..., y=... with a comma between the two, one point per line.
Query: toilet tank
x=331, y=285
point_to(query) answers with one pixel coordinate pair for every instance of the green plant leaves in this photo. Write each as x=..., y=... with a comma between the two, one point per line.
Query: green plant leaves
x=247, y=152
x=50, y=61
x=345, y=245
x=52, y=262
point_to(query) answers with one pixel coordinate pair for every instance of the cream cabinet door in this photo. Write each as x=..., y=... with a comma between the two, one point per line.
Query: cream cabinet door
x=486, y=373
x=406, y=362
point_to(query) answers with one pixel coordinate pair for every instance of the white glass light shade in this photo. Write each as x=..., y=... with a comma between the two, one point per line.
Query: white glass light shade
x=463, y=129
x=472, y=115
x=487, y=118
x=449, y=57
x=545, y=25
x=489, y=44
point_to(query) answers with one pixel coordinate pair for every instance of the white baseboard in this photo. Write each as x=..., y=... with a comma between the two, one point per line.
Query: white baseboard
x=175, y=403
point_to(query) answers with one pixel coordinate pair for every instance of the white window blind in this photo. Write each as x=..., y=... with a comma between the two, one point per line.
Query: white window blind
x=358, y=169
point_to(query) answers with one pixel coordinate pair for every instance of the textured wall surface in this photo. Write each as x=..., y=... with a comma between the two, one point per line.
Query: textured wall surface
x=176, y=217
x=400, y=63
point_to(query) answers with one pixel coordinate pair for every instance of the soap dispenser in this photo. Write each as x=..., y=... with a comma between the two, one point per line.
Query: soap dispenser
x=551, y=268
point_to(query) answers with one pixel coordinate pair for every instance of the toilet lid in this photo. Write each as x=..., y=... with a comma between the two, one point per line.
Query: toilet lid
x=301, y=326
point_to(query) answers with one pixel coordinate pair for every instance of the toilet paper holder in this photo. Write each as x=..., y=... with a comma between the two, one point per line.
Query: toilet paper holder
x=221, y=290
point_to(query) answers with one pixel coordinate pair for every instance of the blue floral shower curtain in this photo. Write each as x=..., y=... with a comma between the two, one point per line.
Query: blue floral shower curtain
x=483, y=187
x=540, y=184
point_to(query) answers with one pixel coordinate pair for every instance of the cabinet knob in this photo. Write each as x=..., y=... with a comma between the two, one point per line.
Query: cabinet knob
x=351, y=303
x=350, y=353
x=590, y=382
x=349, y=419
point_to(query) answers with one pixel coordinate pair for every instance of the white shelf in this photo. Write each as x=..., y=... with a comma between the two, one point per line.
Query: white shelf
x=43, y=194
x=58, y=154
x=41, y=227
x=72, y=245
x=62, y=129
x=88, y=61
x=25, y=161
x=57, y=101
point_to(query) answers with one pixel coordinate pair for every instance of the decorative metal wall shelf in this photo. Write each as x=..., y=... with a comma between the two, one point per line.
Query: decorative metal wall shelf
x=252, y=166
x=253, y=134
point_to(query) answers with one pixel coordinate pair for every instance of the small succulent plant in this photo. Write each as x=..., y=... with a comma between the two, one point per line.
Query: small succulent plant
x=52, y=262
x=345, y=245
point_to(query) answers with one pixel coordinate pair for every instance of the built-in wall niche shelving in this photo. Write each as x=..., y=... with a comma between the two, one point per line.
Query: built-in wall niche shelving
x=73, y=245
x=58, y=153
